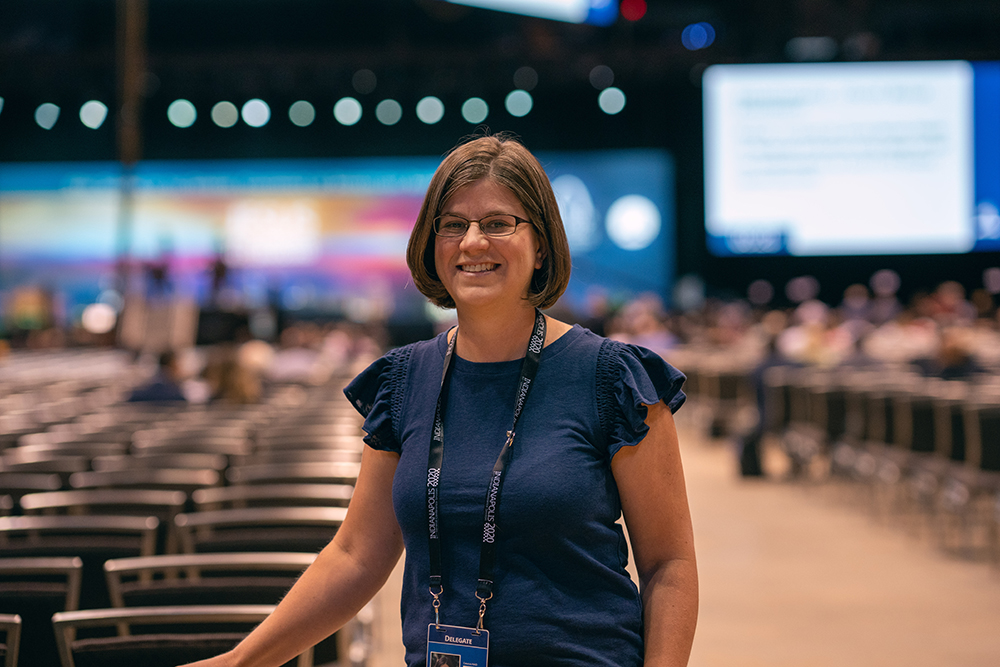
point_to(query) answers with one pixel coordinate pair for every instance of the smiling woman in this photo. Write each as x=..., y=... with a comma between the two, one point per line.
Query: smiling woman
x=534, y=414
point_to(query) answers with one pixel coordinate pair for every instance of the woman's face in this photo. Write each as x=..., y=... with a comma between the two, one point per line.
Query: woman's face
x=478, y=270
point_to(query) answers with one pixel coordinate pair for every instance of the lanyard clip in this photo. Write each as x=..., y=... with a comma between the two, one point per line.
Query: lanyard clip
x=510, y=438
x=482, y=609
x=437, y=605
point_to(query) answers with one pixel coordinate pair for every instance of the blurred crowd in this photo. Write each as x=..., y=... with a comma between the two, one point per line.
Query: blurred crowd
x=240, y=371
x=944, y=333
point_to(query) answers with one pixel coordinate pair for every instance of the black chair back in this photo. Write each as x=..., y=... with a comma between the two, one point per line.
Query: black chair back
x=34, y=589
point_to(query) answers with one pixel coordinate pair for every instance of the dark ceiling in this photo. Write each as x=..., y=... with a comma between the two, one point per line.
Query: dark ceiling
x=38, y=36
x=208, y=50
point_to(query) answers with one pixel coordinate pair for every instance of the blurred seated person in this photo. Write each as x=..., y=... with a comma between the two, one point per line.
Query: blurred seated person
x=165, y=385
x=948, y=305
x=233, y=374
x=297, y=354
x=953, y=360
x=643, y=321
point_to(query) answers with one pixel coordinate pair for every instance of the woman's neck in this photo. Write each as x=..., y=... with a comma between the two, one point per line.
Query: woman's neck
x=491, y=337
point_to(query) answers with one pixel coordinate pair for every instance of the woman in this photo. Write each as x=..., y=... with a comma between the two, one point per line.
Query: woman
x=501, y=455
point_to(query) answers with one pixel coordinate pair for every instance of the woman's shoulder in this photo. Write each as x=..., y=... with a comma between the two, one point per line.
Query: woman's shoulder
x=378, y=391
x=387, y=373
x=556, y=329
x=416, y=350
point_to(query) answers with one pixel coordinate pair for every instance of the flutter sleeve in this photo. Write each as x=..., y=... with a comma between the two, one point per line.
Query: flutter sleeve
x=631, y=377
x=374, y=393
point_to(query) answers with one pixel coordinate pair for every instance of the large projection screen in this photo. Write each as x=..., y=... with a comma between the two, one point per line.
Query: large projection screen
x=839, y=158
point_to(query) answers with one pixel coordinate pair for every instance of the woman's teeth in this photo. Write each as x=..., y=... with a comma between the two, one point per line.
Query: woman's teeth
x=478, y=268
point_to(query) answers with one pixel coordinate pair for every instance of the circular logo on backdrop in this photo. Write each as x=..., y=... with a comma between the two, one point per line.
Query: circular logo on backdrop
x=633, y=221
x=577, y=210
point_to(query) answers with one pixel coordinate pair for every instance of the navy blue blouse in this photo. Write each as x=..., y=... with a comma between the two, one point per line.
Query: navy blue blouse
x=562, y=595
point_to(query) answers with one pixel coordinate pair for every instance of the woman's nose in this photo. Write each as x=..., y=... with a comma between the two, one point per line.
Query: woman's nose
x=474, y=237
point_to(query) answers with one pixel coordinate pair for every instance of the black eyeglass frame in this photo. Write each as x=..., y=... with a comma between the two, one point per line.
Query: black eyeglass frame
x=517, y=221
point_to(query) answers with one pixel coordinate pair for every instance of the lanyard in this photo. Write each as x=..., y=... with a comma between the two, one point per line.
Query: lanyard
x=487, y=554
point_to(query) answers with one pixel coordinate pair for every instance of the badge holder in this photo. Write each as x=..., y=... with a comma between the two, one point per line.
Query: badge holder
x=456, y=646
x=453, y=646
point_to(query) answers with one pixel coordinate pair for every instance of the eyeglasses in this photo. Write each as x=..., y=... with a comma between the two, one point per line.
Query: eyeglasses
x=455, y=226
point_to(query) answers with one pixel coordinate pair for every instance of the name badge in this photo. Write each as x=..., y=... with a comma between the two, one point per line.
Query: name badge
x=454, y=646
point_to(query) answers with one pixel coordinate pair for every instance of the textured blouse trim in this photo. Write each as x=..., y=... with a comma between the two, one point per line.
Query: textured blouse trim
x=377, y=393
x=629, y=378
x=604, y=387
x=400, y=372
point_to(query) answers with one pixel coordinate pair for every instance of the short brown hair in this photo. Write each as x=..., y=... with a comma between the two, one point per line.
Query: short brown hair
x=506, y=162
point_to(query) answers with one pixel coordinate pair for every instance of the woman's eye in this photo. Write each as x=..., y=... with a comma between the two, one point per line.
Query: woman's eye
x=496, y=224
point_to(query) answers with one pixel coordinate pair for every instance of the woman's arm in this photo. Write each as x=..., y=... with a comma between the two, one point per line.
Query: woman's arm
x=654, y=503
x=342, y=579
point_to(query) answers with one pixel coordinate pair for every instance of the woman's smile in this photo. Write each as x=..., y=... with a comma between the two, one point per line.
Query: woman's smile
x=478, y=268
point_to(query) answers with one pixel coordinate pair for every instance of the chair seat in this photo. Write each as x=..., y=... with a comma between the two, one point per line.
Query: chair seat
x=325, y=472
x=48, y=590
x=207, y=590
x=160, y=650
x=304, y=529
x=306, y=539
x=272, y=495
x=195, y=633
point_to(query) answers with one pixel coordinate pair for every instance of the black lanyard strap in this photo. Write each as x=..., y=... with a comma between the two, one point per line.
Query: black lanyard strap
x=435, y=458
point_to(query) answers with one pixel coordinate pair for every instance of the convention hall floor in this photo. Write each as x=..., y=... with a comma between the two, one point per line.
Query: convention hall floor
x=796, y=576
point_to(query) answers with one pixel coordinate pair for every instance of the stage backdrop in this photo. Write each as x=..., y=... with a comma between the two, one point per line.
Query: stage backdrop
x=325, y=236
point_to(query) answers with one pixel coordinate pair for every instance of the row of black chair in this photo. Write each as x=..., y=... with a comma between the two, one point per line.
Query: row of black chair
x=91, y=487
x=916, y=450
x=161, y=607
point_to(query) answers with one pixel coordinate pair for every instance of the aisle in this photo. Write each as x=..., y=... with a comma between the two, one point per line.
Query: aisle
x=792, y=578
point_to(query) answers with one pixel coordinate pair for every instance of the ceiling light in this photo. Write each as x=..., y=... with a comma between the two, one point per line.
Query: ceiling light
x=225, y=114
x=93, y=113
x=302, y=113
x=389, y=112
x=475, y=110
x=181, y=113
x=347, y=111
x=256, y=113
x=430, y=110
x=519, y=103
x=46, y=115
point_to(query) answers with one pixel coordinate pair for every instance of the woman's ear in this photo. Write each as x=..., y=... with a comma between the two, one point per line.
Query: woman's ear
x=539, y=257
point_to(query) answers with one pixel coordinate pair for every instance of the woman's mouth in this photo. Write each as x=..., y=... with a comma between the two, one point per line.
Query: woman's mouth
x=477, y=268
